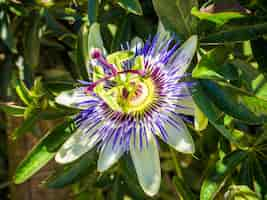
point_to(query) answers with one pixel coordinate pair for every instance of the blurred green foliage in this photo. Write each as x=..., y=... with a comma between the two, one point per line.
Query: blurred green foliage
x=44, y=49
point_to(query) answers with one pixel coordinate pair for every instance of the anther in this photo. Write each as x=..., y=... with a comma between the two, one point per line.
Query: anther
x=97, y=55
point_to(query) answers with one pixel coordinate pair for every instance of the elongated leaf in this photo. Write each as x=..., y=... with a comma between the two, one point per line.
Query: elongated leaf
x=132, y=6
x=32, y=42
x=236, y=103
x=117, y=192
x=183, y=189
x=260, y=176
x=6, y=34
x=175, y=15
x=241, y=192
x=43, y=152
x=82, y=51
x=27, y=125
x=259, y=49
x=220, y=172
x=213, y=66
x=219, y=18
x=238, y=34
x=215, y=117
x=123, y=34
x=70, y=173
x=93, y=11
x=131, y=179
x=22, y=91
x=16, y=111
x=94, y=37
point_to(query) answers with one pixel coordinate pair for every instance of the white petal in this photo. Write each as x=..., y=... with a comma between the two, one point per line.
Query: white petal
x=147, y=164
x=109, y=155
x=187, y=105
x=180, y=139
x=72, y=98
x=77, y=145
x=183, y=56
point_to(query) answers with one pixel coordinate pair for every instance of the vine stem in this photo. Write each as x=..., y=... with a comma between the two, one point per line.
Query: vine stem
x=176, y=164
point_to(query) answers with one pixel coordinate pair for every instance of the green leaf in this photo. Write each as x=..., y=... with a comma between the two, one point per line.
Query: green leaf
x=235, y=102
x=58, y=86
x=183, y=189
x=117, y=192
x=88, y=38
x=28, y=124
x=200, y=121
x=237, y=34
x=260, y=177
x=93, y=11
x=215, y=117
x=133, y=187
x=22, y=91
x=82, y=51
x=43, y=152
x=219, y=18
x=241, y=192
x=13, y=110
x=219, y=173
x=6, y=33
x=132, y=6
x=94, y=37
x=71, y=172
x=254, y=81
x=32, y=41
x=122, y=34
x=259, y=49
x=175, y=15
x=213, y=65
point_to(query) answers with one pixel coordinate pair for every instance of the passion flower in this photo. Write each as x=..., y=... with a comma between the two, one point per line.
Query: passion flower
x=136, y=96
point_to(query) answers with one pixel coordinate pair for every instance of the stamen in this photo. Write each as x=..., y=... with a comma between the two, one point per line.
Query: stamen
x=97, y=55
x=91, y=87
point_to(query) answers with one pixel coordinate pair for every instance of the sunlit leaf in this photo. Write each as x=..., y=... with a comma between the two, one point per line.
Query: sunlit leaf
x=237, y=34
x=43, y=152
x=215, y=117
x=236, y=103
x=22, y=91
x=219, y=173
x=27, y=125
x=14, y=110
x=132, y=6
x=213, y=65
x=241, y=192
x=219, y=18
x=175, y=15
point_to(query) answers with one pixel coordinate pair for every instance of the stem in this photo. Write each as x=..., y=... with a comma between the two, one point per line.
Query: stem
x=176, y=164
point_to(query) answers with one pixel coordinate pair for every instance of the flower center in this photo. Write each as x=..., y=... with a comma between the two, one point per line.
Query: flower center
x=132, y=91
x=138, y=96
